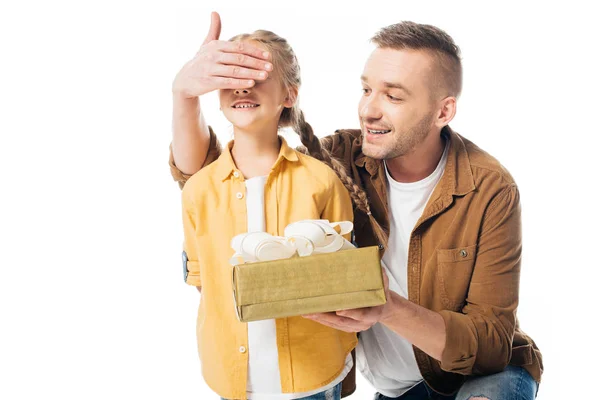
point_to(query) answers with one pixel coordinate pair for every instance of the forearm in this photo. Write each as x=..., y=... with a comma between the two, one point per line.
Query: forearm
x=191, y=137
x=423, y=328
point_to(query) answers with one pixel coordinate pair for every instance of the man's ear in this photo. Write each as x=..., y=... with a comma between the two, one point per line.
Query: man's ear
x=291, y=98
x=446, y=111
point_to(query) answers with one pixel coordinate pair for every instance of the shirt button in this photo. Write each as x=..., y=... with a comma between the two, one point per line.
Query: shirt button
x=380, y=246
x=242, y=349
x=236, y=174
x=239, y=195
x=463, y=253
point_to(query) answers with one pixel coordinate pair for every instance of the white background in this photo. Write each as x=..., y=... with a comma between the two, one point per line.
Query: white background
x=92, y=302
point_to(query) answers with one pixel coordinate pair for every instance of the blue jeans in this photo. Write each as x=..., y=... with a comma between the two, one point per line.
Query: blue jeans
x=514, y=383
x=335, y=393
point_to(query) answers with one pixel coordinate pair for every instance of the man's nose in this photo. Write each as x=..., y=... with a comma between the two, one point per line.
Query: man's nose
x=369, y=109
x=241, y=91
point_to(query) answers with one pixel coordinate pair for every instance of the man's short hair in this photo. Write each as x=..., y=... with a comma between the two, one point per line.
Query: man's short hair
x=414, y=36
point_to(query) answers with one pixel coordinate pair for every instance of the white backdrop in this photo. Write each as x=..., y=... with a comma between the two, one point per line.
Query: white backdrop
x=92, y=302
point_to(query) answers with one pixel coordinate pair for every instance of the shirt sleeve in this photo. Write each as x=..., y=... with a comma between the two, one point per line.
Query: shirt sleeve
x=214, y=151
x=191, y=266
x=339, y=145
x=479, y=339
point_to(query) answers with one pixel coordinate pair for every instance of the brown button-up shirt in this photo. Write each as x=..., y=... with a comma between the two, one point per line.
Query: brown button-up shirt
x=464, y=256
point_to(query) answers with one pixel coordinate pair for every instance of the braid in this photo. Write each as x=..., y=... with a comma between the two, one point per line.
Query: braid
x=359, y=197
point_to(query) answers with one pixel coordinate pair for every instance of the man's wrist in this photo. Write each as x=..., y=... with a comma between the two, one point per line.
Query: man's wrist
x=389, y=308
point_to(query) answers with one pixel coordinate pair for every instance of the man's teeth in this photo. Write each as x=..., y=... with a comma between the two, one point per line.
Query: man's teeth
x=245, y=106
x=378, y=132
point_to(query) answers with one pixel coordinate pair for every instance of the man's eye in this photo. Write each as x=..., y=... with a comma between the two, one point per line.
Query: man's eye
x=366, y=91
x=393, y=98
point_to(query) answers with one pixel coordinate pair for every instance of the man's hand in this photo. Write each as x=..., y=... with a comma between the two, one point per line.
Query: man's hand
x=221, y=65
x=359, y=319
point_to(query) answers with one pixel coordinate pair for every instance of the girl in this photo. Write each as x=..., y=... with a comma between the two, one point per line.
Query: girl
x=260, y=184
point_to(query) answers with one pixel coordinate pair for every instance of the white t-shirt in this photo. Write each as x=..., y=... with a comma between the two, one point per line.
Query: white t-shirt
x=264, y=381
x=384, y=358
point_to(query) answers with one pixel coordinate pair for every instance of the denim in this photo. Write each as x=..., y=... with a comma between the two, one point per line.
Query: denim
x=514, y=383
x=335, y=393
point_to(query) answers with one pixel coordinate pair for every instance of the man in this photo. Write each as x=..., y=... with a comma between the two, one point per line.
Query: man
x=449, y=328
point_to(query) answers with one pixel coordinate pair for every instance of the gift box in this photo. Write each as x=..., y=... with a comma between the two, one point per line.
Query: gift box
x=304, y=285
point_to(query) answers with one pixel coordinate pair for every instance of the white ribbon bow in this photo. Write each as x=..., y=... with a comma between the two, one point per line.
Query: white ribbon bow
x=311, y=236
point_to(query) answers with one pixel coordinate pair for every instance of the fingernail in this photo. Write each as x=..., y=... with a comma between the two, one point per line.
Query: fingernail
x=263, y=74
x=266, y=54
x=268, y=66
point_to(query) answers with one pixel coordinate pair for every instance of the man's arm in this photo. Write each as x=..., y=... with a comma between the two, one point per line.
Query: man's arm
x=477, y=340
x=341, y=145
x=423, y=328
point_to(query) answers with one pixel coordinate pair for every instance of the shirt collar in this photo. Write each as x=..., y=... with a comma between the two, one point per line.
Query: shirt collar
x=370, y=164
x=457, y=178
x=226, y=165
x=458, y=175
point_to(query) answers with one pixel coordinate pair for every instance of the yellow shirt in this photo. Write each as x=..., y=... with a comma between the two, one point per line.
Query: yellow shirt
x=298, y=187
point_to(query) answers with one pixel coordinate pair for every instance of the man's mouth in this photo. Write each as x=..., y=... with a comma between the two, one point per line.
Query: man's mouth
x=377, y=131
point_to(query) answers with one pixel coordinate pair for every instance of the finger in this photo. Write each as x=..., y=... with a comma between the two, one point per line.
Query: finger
x=243, y=48
x=316, y=315
x=340, y=327
x=332, y=318
x=220, y=82
x=326, y=323
x=365, y=316
x=215, y=28
x=234, y=71
x=244, y=60
x=356, y=314
x=341, y=323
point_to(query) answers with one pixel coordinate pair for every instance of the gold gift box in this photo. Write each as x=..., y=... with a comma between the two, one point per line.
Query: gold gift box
x=303, y=285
